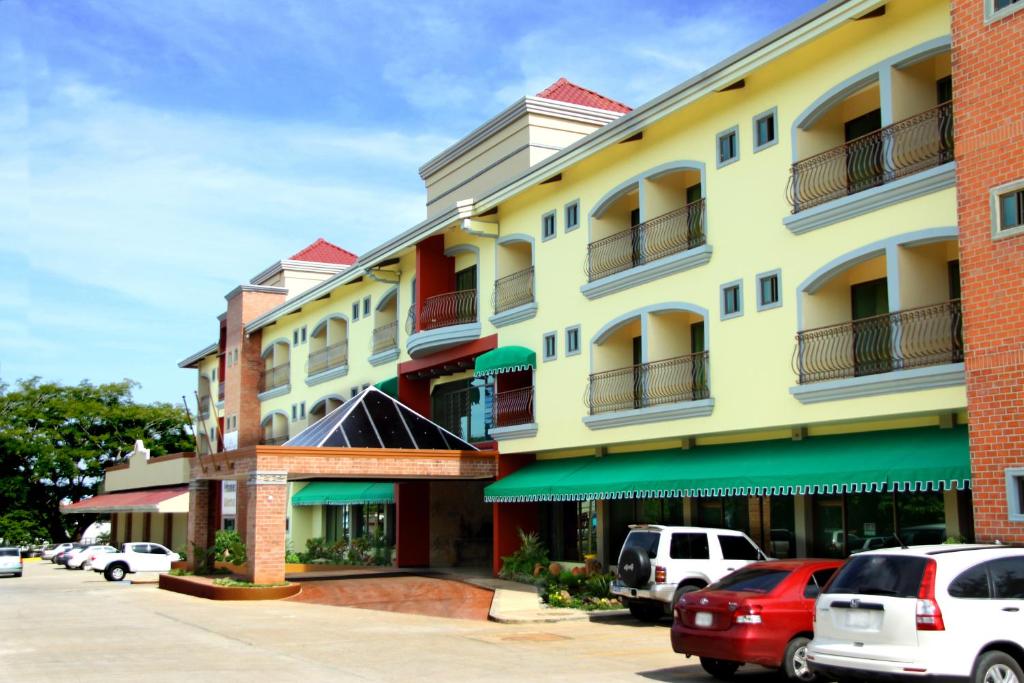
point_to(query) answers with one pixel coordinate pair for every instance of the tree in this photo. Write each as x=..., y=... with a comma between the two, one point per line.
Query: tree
x=55, y=441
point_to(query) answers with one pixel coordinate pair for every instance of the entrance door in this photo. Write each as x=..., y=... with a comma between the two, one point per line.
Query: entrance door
x=465, y=281
x=698, y=371
x=829, y=527
x=864, y=167
x=638, y=372
x=872, y=330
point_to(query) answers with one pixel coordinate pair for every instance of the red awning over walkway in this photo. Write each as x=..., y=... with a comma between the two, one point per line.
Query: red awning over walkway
x=150, y=500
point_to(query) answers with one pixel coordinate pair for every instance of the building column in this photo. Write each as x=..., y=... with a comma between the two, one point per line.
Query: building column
x=412, y=524
x=241, y=507
x=128, y=527
x=509, y=518
x=802, y=516
x=198, y=519
x=265, y=509
x=114, y=529
x=147, y=526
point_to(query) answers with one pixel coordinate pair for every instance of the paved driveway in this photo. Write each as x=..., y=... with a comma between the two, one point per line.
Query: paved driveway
x=401, y=593
x=53, y=621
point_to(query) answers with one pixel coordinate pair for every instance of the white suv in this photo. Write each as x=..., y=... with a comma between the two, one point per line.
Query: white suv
x=936, y=612
x=657, y=564
x=134, y=557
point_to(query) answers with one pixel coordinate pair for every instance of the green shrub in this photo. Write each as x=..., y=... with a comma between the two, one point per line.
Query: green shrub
x=228, y=547
x=235, y=583
x=520, y=564
x=180, y=572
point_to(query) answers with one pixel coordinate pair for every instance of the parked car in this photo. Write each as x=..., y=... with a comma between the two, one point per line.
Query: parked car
x=760, y=614
x=938, y=612
x=62, y=558
x=78, y=559
x=657, y=564
x=10, y=561
x=133, y=557
x=52, y=551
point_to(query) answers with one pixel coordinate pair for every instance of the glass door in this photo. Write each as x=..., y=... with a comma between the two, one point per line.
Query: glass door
x=872, y=331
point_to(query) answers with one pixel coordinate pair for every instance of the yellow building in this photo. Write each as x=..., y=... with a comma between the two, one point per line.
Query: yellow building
x=735, y=305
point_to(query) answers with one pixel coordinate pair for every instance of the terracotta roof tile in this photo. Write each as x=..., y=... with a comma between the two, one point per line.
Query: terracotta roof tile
x=323, y=251
x=564, y=90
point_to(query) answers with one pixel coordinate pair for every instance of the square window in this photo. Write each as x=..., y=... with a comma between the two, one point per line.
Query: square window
x=303, y=335
x=769, y=294
x=997, y=9
x=572, y=216
x=572, y=340
x=550, y=346
x=765, y=134
x=302, y=410
x=732, y=299
x=1015, y=493
x=1007, y=209
x=366, y=307
x=355, y=311
x=728, y=147
x=547, y=225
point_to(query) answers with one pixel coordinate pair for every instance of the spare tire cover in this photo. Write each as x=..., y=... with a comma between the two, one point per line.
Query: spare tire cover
x=634, y=567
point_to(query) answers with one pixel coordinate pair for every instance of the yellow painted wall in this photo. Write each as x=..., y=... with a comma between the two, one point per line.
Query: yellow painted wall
x=143, y=474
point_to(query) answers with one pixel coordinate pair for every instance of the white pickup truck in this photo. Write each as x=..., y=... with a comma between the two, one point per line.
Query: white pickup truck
x=134, y=557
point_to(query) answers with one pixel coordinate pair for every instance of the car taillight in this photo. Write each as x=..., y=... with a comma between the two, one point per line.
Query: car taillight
x=929, y=616
x=748, y=614
x=659, y=575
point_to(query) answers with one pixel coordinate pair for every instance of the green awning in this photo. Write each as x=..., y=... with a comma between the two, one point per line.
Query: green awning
x=389, y=386
x=505, y=359
x=899, y=460
x=344, y=493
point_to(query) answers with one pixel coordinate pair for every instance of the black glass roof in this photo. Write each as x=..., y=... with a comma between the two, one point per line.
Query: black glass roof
x=372, y=419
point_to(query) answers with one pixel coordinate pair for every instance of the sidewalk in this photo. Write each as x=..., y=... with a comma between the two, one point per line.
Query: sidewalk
x=518, y=603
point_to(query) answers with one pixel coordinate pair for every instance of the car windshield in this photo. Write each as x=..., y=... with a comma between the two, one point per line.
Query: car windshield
x=880, y=575
x=645, y=540
x=753, y=580
x=8, y=552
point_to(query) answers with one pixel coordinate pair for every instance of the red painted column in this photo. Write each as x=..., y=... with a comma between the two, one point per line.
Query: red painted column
x=415, y=393
x=198, y=519
x=509, y=518
x=412, y=523
x=435, y=272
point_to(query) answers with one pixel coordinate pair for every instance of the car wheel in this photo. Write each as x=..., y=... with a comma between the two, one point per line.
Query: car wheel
x=114, y=573
x=997, y=667
x=722, y=669
x=646, y=611
x=794, y=662
x=682, y=590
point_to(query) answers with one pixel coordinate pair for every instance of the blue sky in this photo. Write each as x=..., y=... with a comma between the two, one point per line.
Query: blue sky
x=153, y=155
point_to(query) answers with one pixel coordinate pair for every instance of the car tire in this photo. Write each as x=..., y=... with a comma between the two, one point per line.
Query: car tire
x=722, y=669
x=682, y=590
x=649, y=612
x=994, y=666
x=115, y=572
x=794, y=662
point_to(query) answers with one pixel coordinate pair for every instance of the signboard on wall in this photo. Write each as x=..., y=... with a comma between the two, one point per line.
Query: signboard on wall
x=227, y=498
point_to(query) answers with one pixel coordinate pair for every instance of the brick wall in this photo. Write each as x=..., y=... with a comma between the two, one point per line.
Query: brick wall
x=988, y=105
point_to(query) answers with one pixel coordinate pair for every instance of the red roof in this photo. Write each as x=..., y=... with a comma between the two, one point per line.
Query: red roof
x=323, y=251
x=140, y=501
x=564, y=90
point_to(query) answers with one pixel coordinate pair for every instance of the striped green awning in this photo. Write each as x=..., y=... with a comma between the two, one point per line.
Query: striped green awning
x=389, y=386
x=900, y=460
x=344, y=493
x=505, y=359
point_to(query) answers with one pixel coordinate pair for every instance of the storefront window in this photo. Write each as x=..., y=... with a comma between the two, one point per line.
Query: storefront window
x=867, y=521
x=732, y=512
x=465, y=407
x=336, y=523
x=828, y=526
x=781, y=514
x=921, y=517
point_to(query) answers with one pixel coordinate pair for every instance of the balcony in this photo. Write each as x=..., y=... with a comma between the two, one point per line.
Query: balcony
x=204, y=408
x=919, y=348
x=513, y=291
x=445, y=320
x=652, y=387
x=328, y=358
x=275, y=378
x=887, y=156
x=513, y=415
x=384, y=343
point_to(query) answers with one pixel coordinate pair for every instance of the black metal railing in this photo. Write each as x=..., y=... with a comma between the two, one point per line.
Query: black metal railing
x=651, y=240
x=385, y=337
x=513, y=407
x=513, y=290
x=912, y=338
x=273, y=439
x=466, y=412
x=327, y=358
x=410, y=320
x=684, y=378
x=450, y=308
x=275, y=377
x=901, y=149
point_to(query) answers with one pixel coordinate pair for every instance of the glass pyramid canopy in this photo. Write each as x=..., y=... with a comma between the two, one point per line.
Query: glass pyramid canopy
x=372, y=419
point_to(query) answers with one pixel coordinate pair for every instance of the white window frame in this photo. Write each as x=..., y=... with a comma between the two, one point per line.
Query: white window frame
x=553, y=336
x=993, y=198
x=1014, y=492
x=772, y=113
x=573, y=204
x=739, y=299
x=719, y=163
x=544, y=236
x=777, y=274
x=569, y=350
x=355, y=310
x=992, y=14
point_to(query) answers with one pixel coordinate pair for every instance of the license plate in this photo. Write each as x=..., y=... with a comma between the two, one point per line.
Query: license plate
x=858, y=619
x=704, y=619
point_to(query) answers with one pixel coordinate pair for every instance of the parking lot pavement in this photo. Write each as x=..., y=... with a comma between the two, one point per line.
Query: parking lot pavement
x=53, y=621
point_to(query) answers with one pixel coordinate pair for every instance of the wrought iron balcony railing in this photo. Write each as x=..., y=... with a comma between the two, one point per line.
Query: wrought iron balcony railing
x=451, y=308
x=684, y=378
x=273, y=440
x=513, y=290
x=327, y=358
x=882, y=156
x=651, y=240
x=275, y=377
x=385, y=337
x=513, y=407
x=913, y=338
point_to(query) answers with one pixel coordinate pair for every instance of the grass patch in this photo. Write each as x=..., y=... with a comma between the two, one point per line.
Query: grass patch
x=181, y=572
x=235, y=583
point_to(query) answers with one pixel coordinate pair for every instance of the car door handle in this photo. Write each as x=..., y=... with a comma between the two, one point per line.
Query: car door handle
x=1011, y=609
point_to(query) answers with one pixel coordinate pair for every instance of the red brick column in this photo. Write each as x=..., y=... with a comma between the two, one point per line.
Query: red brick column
x=241, y=502
x=198, y=518
x=265, y=510
x=412, y=524
x=509, y=518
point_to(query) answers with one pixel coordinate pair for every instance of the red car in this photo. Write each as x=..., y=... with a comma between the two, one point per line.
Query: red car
x=761, y=614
